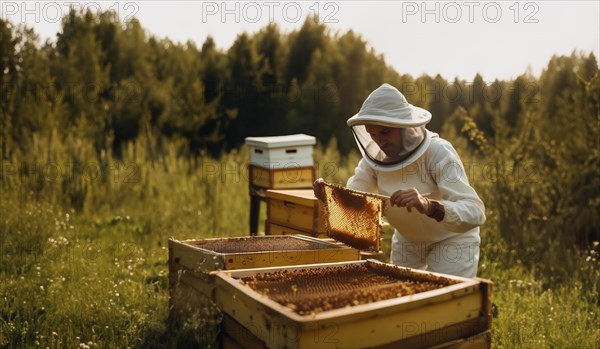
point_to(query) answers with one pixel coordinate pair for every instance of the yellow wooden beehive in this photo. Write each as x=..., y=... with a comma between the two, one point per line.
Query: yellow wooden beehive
x=456, y=312
x=294, y=211
x=192, y=261
x=281, y=178
x=281, y=161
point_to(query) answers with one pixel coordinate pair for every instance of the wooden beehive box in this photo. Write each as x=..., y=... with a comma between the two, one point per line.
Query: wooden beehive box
x=294, y=211
x=192, y=261
x=281, y=162
x=281, y=151
x=451, y=314
x=289, y=177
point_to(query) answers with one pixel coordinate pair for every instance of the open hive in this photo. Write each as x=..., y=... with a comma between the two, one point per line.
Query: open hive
x=192, y=261
x=250, y=244
x=311, y=291
x=351, y=305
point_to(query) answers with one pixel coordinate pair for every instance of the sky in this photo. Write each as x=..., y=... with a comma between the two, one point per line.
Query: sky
x=497, y=39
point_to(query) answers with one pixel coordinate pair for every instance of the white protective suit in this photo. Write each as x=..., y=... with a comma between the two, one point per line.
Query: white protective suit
x=450, y=246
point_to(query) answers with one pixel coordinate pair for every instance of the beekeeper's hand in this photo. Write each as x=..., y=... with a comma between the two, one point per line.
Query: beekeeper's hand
x=318, y=189
x=410, y=198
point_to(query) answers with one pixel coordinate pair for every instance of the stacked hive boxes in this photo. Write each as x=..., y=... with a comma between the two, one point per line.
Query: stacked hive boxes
x=281, y=161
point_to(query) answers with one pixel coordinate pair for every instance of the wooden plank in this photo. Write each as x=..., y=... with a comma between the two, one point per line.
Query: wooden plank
x=186, y=296
x=282, y=229
x=255, y=201
x=290, y=213
x=295, y=257
x=326, y=253
x=242, y=335
x=302, y=177
x=284, y=178
x=228, y=342
x=297, y=208
x=259, y=177
x=445, y=337
x=382, y=329
x=486, y=306
x=183, y=255
x=465, y=335
x=304, y=197
x=481, y=340
x=199, y=282
x=366, y=255
x=319, y=224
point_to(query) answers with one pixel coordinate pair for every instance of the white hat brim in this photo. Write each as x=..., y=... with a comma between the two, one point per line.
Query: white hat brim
x=419, y=117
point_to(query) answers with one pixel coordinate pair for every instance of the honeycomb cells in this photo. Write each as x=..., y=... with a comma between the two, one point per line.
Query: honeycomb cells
x=311, y=291
x=352, y=217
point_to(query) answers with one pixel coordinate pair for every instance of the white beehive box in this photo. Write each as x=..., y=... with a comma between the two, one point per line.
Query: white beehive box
x=281, y=151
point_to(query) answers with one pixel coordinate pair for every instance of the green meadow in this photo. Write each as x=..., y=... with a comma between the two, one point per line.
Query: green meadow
x=112, y=141
x=98, y=278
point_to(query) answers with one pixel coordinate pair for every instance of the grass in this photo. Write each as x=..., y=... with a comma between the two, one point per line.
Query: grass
x=93, y=273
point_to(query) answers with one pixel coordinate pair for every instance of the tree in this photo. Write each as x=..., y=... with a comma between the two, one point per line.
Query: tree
x=37, y=102
x=82, y=78
x=481, y=109
x=302, y=45
x=272, y=102
x=8, y=84
x=242, y=91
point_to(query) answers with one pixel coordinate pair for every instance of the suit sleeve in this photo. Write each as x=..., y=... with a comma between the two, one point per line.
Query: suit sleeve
x=464, y=210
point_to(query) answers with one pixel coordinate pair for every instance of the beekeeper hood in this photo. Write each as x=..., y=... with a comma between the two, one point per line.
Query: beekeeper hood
x=386, y=106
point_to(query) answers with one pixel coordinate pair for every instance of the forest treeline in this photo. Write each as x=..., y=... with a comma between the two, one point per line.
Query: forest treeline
x=107, y=83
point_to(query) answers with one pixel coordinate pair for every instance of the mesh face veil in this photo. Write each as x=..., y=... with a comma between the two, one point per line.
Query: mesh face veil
x=410, y=138
x=406, y=138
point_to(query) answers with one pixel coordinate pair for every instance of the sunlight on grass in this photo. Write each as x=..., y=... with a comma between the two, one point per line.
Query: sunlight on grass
x=97, y=277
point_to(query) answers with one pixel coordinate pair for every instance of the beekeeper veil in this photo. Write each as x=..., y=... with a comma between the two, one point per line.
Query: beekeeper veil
x=386, y=106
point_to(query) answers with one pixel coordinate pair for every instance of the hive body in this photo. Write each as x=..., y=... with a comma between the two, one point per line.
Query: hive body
x=296, y=211
x=448, y=308
x=192, y=261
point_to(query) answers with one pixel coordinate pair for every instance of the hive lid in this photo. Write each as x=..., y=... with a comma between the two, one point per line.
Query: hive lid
x=304, y=197
x=281, y=141
x=353, y=217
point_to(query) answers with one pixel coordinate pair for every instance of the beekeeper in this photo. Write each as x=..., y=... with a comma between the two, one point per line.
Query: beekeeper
x=435, y=213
